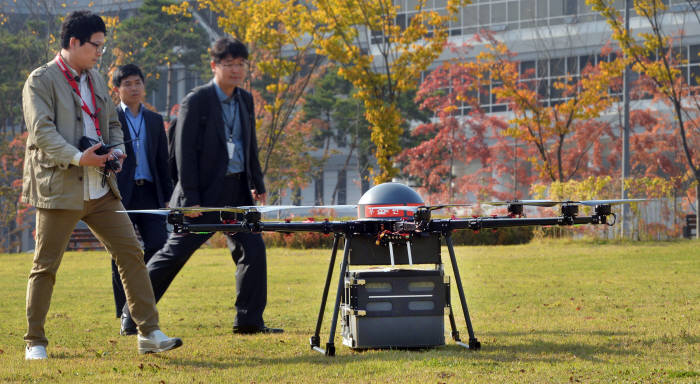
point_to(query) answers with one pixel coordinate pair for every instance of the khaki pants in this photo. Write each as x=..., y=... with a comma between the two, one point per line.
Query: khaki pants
x=115, y=231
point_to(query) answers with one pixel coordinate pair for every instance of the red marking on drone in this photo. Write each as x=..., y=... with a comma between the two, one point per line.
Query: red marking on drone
x=379, y=210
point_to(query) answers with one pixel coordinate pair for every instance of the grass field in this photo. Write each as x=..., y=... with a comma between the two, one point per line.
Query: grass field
x=547, y=312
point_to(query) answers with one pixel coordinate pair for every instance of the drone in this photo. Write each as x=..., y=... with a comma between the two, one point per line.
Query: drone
x=401, y=305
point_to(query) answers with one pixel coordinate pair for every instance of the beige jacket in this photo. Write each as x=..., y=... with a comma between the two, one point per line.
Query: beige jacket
x=54, y=120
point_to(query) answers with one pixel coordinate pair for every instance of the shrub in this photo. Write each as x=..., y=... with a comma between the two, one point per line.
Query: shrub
x=501, y=236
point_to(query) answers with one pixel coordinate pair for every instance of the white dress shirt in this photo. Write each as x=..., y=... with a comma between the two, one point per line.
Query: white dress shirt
x=92, y=178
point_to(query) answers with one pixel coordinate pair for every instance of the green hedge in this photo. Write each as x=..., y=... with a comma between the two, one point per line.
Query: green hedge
x=502, y=236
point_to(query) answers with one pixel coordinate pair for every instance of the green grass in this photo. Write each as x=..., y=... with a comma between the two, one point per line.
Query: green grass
x=552, y=312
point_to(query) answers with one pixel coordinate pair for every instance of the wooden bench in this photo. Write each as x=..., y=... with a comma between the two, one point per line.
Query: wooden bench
x=83, y=239
x=691, y=226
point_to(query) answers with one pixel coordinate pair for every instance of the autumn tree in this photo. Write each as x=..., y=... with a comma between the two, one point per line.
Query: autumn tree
x=405, y=42
x=155, y=40
x=564, y=135
x=340, y=118
x=27, y=43
x=651, y=53
x=23, y=50
x=452, y=139
x=340, y=123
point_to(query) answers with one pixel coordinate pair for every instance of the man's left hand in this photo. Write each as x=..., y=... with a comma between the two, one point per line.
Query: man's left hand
x=260, y=197
x=118, y=155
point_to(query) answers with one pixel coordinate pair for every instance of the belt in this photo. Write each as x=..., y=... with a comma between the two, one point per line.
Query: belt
x=237, y=176
x=141, y=182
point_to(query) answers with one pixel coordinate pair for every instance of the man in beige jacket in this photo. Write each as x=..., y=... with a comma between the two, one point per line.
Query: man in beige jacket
x=63, y=101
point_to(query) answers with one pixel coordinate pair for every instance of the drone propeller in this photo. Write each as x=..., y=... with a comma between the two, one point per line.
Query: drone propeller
x=609, y=202
x=535, y=203
x=240, y=209
x=551, y=203
x=273, y=208
x=415, y=208
x=166, y=211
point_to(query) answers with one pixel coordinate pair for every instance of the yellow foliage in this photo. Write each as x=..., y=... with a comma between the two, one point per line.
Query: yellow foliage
x=404, y=54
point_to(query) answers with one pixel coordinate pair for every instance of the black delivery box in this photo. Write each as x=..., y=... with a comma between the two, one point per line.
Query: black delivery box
x=394, y=308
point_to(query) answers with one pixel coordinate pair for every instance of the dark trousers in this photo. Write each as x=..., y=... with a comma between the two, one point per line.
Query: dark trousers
x=153, y=234
x=247, y=251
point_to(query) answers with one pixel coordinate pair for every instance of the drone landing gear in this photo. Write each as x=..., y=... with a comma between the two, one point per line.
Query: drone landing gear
x=315, y=340
x=473, y=342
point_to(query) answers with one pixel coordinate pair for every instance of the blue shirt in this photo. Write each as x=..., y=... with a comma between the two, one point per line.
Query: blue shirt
x=234, y=131
x=137, y=129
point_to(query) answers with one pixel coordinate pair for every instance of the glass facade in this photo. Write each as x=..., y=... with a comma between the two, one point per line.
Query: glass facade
x=500, y=15
x=542, y=74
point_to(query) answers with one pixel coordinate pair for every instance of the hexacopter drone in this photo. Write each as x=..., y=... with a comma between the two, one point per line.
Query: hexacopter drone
x=391, y=307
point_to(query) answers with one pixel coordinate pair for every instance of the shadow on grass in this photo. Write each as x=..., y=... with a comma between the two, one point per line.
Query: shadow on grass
x=563, y=333
x=537, y=350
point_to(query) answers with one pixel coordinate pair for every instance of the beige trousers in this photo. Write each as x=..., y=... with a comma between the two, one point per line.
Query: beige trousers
x=115, y=231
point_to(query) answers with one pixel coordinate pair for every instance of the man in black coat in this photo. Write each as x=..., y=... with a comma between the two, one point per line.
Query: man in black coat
x=217, y=165
x=144, y=181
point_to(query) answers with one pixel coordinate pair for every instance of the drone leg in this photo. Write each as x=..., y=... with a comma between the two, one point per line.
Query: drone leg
x=391, y=253
x=473, y=342
x=451, y=315
x=330, y=346
x=316, y=339
x=410, y=257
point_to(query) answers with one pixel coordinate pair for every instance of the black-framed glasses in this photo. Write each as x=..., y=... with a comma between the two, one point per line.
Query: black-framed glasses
x=101, y=48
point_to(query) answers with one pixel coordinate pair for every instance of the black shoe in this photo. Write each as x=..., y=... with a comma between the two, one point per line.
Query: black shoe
x=128, y=326
x=251, y=329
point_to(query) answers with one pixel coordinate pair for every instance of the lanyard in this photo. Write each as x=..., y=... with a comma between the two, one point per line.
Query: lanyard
x=74, y=85
x=133, y=129
x=131, y=125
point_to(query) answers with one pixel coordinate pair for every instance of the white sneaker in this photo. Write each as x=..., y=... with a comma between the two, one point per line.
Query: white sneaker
x=36, y=352
x=157, y=341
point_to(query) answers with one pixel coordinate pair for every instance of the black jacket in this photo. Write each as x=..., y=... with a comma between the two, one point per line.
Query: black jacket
x=157, y=152
x=200, y=148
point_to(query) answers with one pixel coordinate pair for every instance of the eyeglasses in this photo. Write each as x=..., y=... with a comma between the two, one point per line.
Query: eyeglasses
x=234, y=64
x=100, y=48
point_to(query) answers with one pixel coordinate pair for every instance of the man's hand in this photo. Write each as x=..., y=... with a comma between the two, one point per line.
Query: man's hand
x=90, y=158
x=118, y=155
x=194, y=214
x=260, y=197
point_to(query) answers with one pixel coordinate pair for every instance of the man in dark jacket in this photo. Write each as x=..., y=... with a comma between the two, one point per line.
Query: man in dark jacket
x=144, y=181
x=217, y=162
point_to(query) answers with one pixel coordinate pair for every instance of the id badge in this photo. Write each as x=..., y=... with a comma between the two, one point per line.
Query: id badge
x=230, y=146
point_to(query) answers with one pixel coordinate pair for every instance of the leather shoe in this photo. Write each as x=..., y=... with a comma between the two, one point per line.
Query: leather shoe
x=128, y=327
x=252, y=329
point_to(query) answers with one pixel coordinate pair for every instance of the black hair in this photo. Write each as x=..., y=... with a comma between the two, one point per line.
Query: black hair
x=228, y=46
x=125, y=71
x=81, y=25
